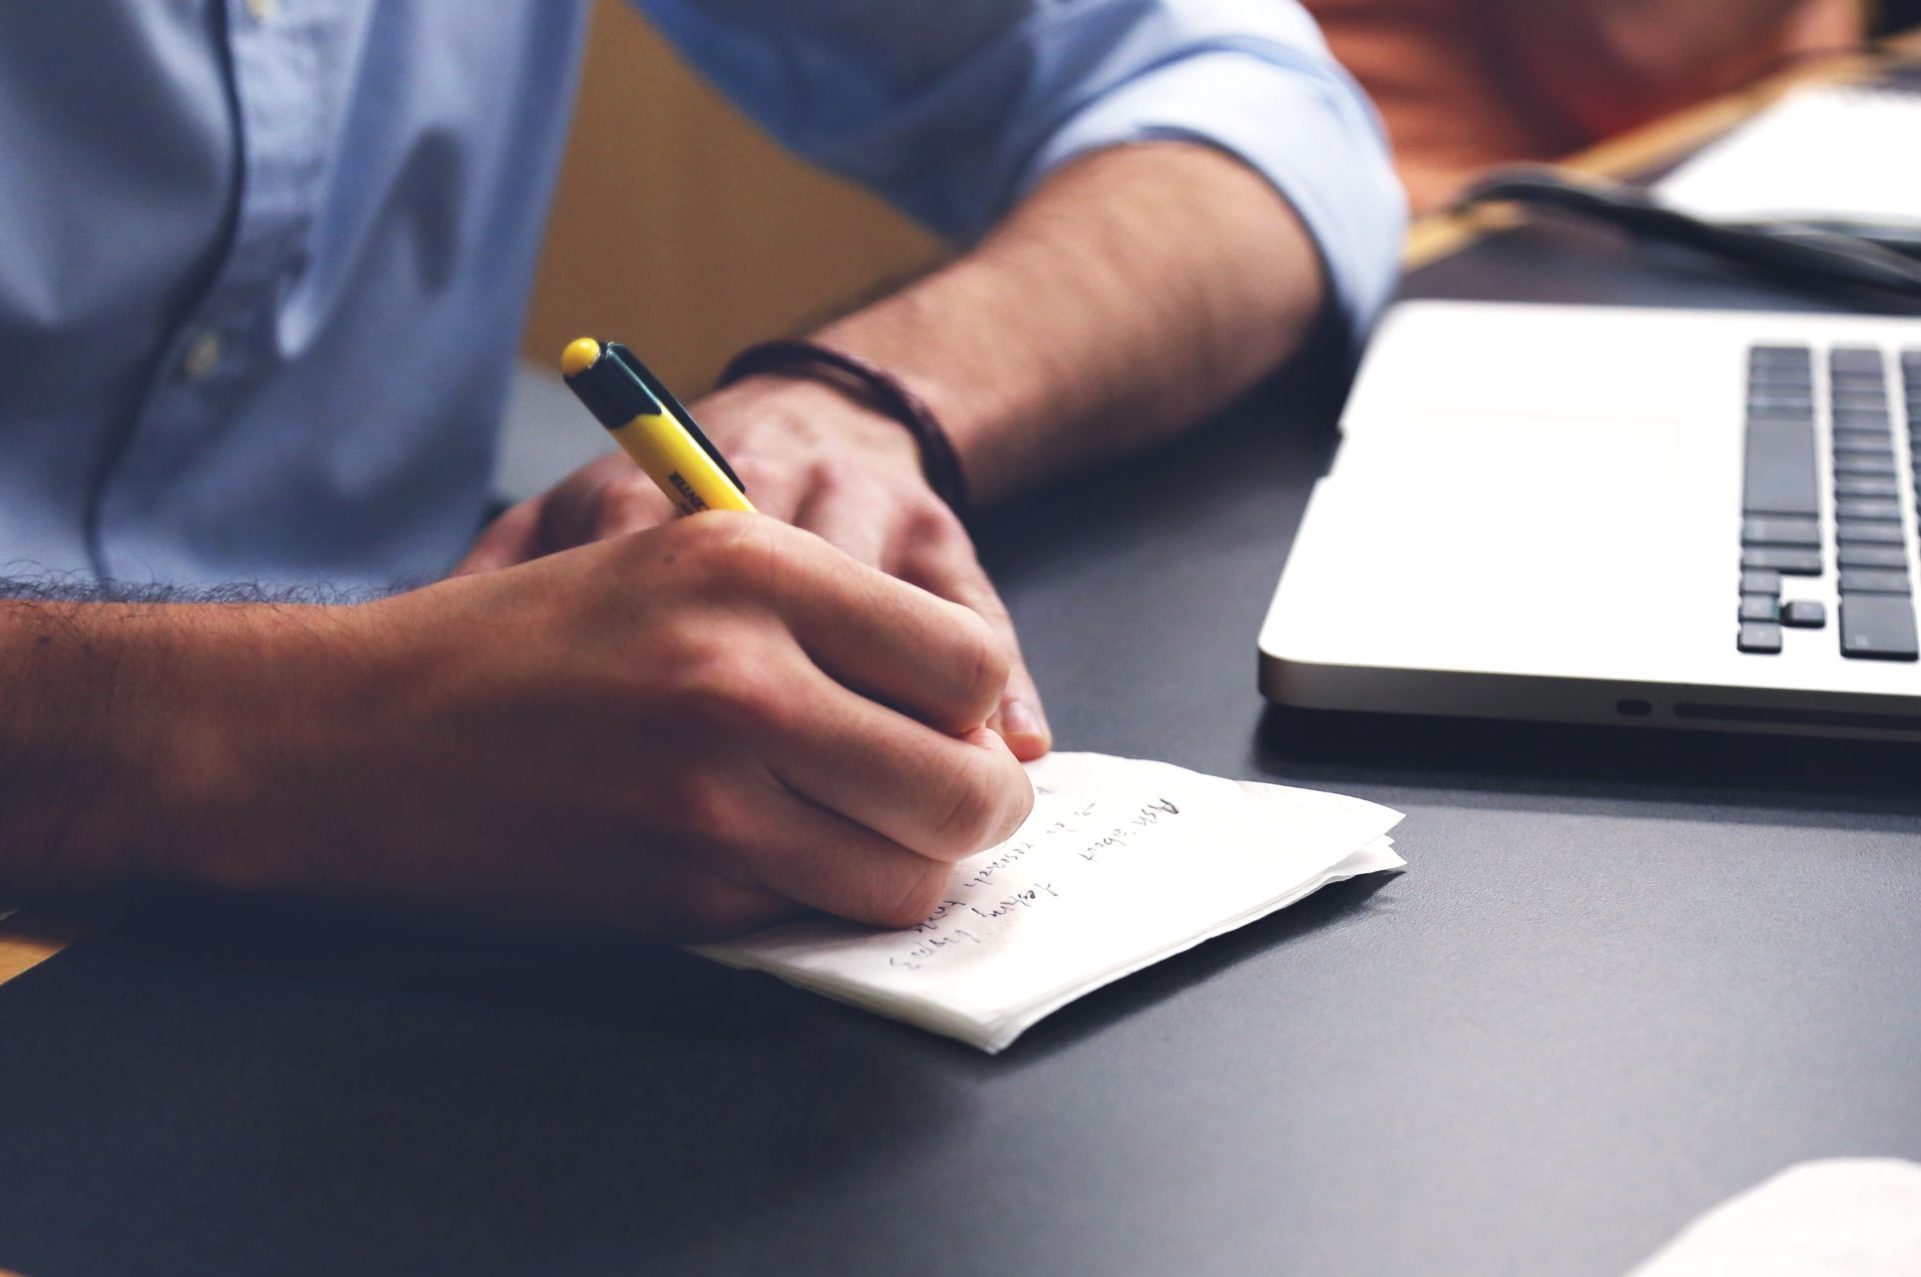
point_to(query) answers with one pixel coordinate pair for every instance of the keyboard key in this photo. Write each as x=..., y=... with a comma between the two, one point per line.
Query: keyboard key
x=1854, y=445
x=1760, y=583
x=1865, y=556
x=1852, y=463
x=1857, y=420
x=1851, y=359
x=1760, y=607
x=1804, y=614
x=1863, y=532
x=1788, y=562
x=1759, y=637
x=1874, y=581
x=1774, y=529
x=1878, y=627
x=1865, y=485
x=1793, y=354
x=1781, y=474
x=1856, y=508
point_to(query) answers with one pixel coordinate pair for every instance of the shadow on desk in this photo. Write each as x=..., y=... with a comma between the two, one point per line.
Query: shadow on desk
x=363, y=1037
x=518, y=1101
x=687, y=1006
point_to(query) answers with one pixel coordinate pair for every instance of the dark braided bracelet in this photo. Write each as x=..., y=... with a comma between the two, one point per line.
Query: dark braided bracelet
x=873, y=386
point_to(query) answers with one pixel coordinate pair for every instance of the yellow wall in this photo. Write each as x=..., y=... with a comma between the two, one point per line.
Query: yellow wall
x=729, y=240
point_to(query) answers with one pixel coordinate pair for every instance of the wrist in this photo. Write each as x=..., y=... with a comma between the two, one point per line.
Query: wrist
x=157, y=747
x=258, y=700
x=874, y=388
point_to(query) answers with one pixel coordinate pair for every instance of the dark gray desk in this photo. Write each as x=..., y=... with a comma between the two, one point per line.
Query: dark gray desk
x=1626, y=976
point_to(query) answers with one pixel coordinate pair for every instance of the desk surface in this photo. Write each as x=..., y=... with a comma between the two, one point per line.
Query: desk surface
x=1625, y=976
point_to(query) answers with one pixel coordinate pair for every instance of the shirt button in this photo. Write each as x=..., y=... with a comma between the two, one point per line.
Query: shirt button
x=201, y=355
x=261, y=9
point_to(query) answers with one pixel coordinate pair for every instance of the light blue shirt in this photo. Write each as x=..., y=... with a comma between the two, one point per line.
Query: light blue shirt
x=263, y=262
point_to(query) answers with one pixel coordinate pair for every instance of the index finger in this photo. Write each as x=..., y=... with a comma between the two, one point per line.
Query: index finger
x=894, y=642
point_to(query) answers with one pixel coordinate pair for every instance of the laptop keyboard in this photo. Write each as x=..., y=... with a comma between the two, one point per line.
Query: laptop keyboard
x=1788, y=536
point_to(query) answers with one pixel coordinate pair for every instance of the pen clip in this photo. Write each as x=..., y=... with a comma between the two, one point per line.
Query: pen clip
x=674, y=408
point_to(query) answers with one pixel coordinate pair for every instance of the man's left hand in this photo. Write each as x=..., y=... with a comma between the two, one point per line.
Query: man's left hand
x=814, y=458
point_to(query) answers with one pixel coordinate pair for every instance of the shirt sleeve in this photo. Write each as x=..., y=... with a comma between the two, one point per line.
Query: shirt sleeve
x=953, y=111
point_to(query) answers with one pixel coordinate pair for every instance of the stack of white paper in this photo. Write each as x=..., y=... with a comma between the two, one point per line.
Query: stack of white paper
x=1845, y=1217
x=1122, y=863
x=1833, y=155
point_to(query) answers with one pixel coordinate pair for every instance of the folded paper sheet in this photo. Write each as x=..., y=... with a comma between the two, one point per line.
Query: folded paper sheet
x=1826, y=154
x=1122, y=863
x=1847, y=1217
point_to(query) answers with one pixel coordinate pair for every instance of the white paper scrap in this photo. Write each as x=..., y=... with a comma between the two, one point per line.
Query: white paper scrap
x=1123, y=863
x=1847, y=1217
x=1827, y=154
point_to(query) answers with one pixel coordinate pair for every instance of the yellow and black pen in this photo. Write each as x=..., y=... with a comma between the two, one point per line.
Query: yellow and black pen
x=652, y=427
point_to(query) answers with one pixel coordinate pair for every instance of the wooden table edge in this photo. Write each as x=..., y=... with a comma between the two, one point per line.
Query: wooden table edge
x=30, y=938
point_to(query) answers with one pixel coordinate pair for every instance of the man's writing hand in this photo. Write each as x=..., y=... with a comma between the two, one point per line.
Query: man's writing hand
x=685, y=733
x=812, y=458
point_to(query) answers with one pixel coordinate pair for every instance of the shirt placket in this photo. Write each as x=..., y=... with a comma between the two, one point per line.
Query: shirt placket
x=227, y=340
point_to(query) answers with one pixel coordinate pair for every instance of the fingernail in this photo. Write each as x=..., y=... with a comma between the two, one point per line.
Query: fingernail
x=1022, y=718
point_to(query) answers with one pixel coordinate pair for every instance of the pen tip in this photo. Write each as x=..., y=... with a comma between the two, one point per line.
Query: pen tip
x=579, y=356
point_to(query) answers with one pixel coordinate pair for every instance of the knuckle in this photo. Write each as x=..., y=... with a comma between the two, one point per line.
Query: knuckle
x=909, y=898
x=727, y=691
x=931, y=537
x=975, y=815
x=757, y=470
x=1017, y=807
x=705, y=808
x=985, y=655
x=737, y=549
x=931, y=522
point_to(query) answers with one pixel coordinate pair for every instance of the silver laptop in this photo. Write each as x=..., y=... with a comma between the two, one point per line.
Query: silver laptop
x=1697, y=519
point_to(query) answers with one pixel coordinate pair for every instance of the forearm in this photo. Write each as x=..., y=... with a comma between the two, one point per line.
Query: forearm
x=1134, y=292
x=126, y=733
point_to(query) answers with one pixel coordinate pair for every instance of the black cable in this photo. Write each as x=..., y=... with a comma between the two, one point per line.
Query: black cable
x=1801, y=252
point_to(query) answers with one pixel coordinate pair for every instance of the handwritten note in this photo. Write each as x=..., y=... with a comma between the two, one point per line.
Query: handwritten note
x=1123, y=863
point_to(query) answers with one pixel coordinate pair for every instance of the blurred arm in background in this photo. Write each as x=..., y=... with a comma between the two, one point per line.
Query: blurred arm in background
x=1467, y=84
